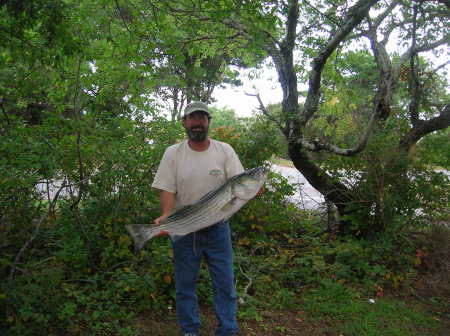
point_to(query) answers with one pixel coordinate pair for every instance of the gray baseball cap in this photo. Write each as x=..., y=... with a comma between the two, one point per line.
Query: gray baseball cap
x=194, y=107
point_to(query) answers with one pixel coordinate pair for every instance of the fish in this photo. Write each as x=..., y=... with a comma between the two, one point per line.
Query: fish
x=217, y=205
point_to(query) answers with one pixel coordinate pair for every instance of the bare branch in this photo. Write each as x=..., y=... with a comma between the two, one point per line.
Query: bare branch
x=376, y=22
x=380, y=18
x=389, y=30
x=264, y=110
x=36, y=231
x=422, y=48
x=209, y=37
x=443, y=65
x=386, y=79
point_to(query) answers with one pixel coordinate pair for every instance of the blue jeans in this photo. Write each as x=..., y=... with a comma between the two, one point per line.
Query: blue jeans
x=214, y=244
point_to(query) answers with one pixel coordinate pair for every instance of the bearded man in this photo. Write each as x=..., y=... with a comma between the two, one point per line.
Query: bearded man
x=187, y=171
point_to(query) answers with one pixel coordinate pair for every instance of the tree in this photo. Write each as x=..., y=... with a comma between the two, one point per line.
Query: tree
x=193, y=55
x=316, y=33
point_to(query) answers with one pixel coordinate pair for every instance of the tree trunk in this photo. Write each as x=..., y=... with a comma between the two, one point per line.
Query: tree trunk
x=333, y=190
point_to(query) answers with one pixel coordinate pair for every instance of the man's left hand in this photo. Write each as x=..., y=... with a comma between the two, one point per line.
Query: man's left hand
x=260, y=192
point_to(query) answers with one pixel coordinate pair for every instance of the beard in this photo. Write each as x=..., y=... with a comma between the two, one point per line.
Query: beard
x=197, y=135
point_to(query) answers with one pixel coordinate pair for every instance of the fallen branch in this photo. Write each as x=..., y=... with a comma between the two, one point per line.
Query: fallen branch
x=36, y=231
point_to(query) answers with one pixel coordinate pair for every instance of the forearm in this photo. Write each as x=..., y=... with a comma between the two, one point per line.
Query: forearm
x=166, y=201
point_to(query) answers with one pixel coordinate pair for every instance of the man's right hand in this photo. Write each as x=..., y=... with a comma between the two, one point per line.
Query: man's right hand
x=167, y=201
x=158, y=220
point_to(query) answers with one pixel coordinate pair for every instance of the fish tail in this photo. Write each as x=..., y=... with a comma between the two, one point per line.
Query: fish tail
x=141, y=234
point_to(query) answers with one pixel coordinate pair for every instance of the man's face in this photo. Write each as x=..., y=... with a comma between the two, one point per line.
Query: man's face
x=196, y=125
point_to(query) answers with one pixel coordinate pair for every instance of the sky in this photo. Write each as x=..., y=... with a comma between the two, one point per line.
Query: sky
x=235, y=98
x=266, y=82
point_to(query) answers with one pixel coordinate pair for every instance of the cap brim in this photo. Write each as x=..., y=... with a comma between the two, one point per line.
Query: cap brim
x=197, y=110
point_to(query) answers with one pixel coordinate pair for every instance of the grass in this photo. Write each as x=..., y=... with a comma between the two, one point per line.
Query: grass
x=280, y=303
x=351, y=314
x=330, y=310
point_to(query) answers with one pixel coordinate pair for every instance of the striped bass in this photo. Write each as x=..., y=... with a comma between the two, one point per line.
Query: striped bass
x=217, y=205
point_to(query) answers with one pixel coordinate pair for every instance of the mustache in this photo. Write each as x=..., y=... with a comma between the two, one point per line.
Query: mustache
x=197, y=133
x=197, y=128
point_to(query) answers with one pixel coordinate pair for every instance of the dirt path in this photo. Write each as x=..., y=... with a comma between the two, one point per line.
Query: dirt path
x=287, y=323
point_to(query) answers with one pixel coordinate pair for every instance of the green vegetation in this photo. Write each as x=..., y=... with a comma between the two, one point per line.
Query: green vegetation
x=90, y=96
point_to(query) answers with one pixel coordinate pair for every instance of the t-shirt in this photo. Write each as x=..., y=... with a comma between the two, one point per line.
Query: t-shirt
x=190, y=174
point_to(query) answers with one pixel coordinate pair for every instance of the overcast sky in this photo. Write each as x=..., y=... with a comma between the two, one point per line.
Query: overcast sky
x=270, y=90
x=267, y=85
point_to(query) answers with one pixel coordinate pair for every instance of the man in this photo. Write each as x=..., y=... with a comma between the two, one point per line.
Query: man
x=189, y=170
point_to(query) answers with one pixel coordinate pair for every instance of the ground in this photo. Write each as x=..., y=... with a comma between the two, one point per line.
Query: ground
x=273, y=323
x=298, y=322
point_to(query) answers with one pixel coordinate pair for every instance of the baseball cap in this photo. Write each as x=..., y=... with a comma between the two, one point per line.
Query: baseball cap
x=196, y=106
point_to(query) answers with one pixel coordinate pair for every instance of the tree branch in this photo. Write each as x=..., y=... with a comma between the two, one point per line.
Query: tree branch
x=414, y=85
x=332, y=19
x=315, y=146
x=291, y=29
x=36, y=231
x=422, y=48
x=78, y=115
x=426, y=127
x=354, y=17
x=119, y=10
x=243, y=31
x=380, y=18
x=264, y=110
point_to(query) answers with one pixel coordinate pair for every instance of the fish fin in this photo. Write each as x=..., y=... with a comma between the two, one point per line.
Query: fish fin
x=136, y=232
x=141, y=233
x=228, y=205
x=176, y=237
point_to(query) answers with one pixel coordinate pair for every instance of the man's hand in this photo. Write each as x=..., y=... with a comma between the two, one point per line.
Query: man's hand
x=167, y=202
x=158, y=220
x=260, y=192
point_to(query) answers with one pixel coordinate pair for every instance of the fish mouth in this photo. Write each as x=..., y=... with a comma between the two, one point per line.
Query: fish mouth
x=260, y=170
x=259, y=173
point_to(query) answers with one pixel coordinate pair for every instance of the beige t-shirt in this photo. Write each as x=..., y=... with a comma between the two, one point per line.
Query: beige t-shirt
x=191, y=174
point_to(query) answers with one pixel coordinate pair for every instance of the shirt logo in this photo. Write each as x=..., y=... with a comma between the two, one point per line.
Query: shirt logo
x=215, y=172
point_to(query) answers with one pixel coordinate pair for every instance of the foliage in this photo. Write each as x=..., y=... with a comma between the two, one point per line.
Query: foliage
x=250, y=138
x=432, y=150
x=83, y=239
x=78, y=81
x=226, y=118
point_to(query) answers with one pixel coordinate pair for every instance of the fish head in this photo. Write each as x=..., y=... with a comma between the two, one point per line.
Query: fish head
x=247, y=185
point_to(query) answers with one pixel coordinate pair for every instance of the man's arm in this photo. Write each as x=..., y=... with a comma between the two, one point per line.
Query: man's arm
x=167, y=203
